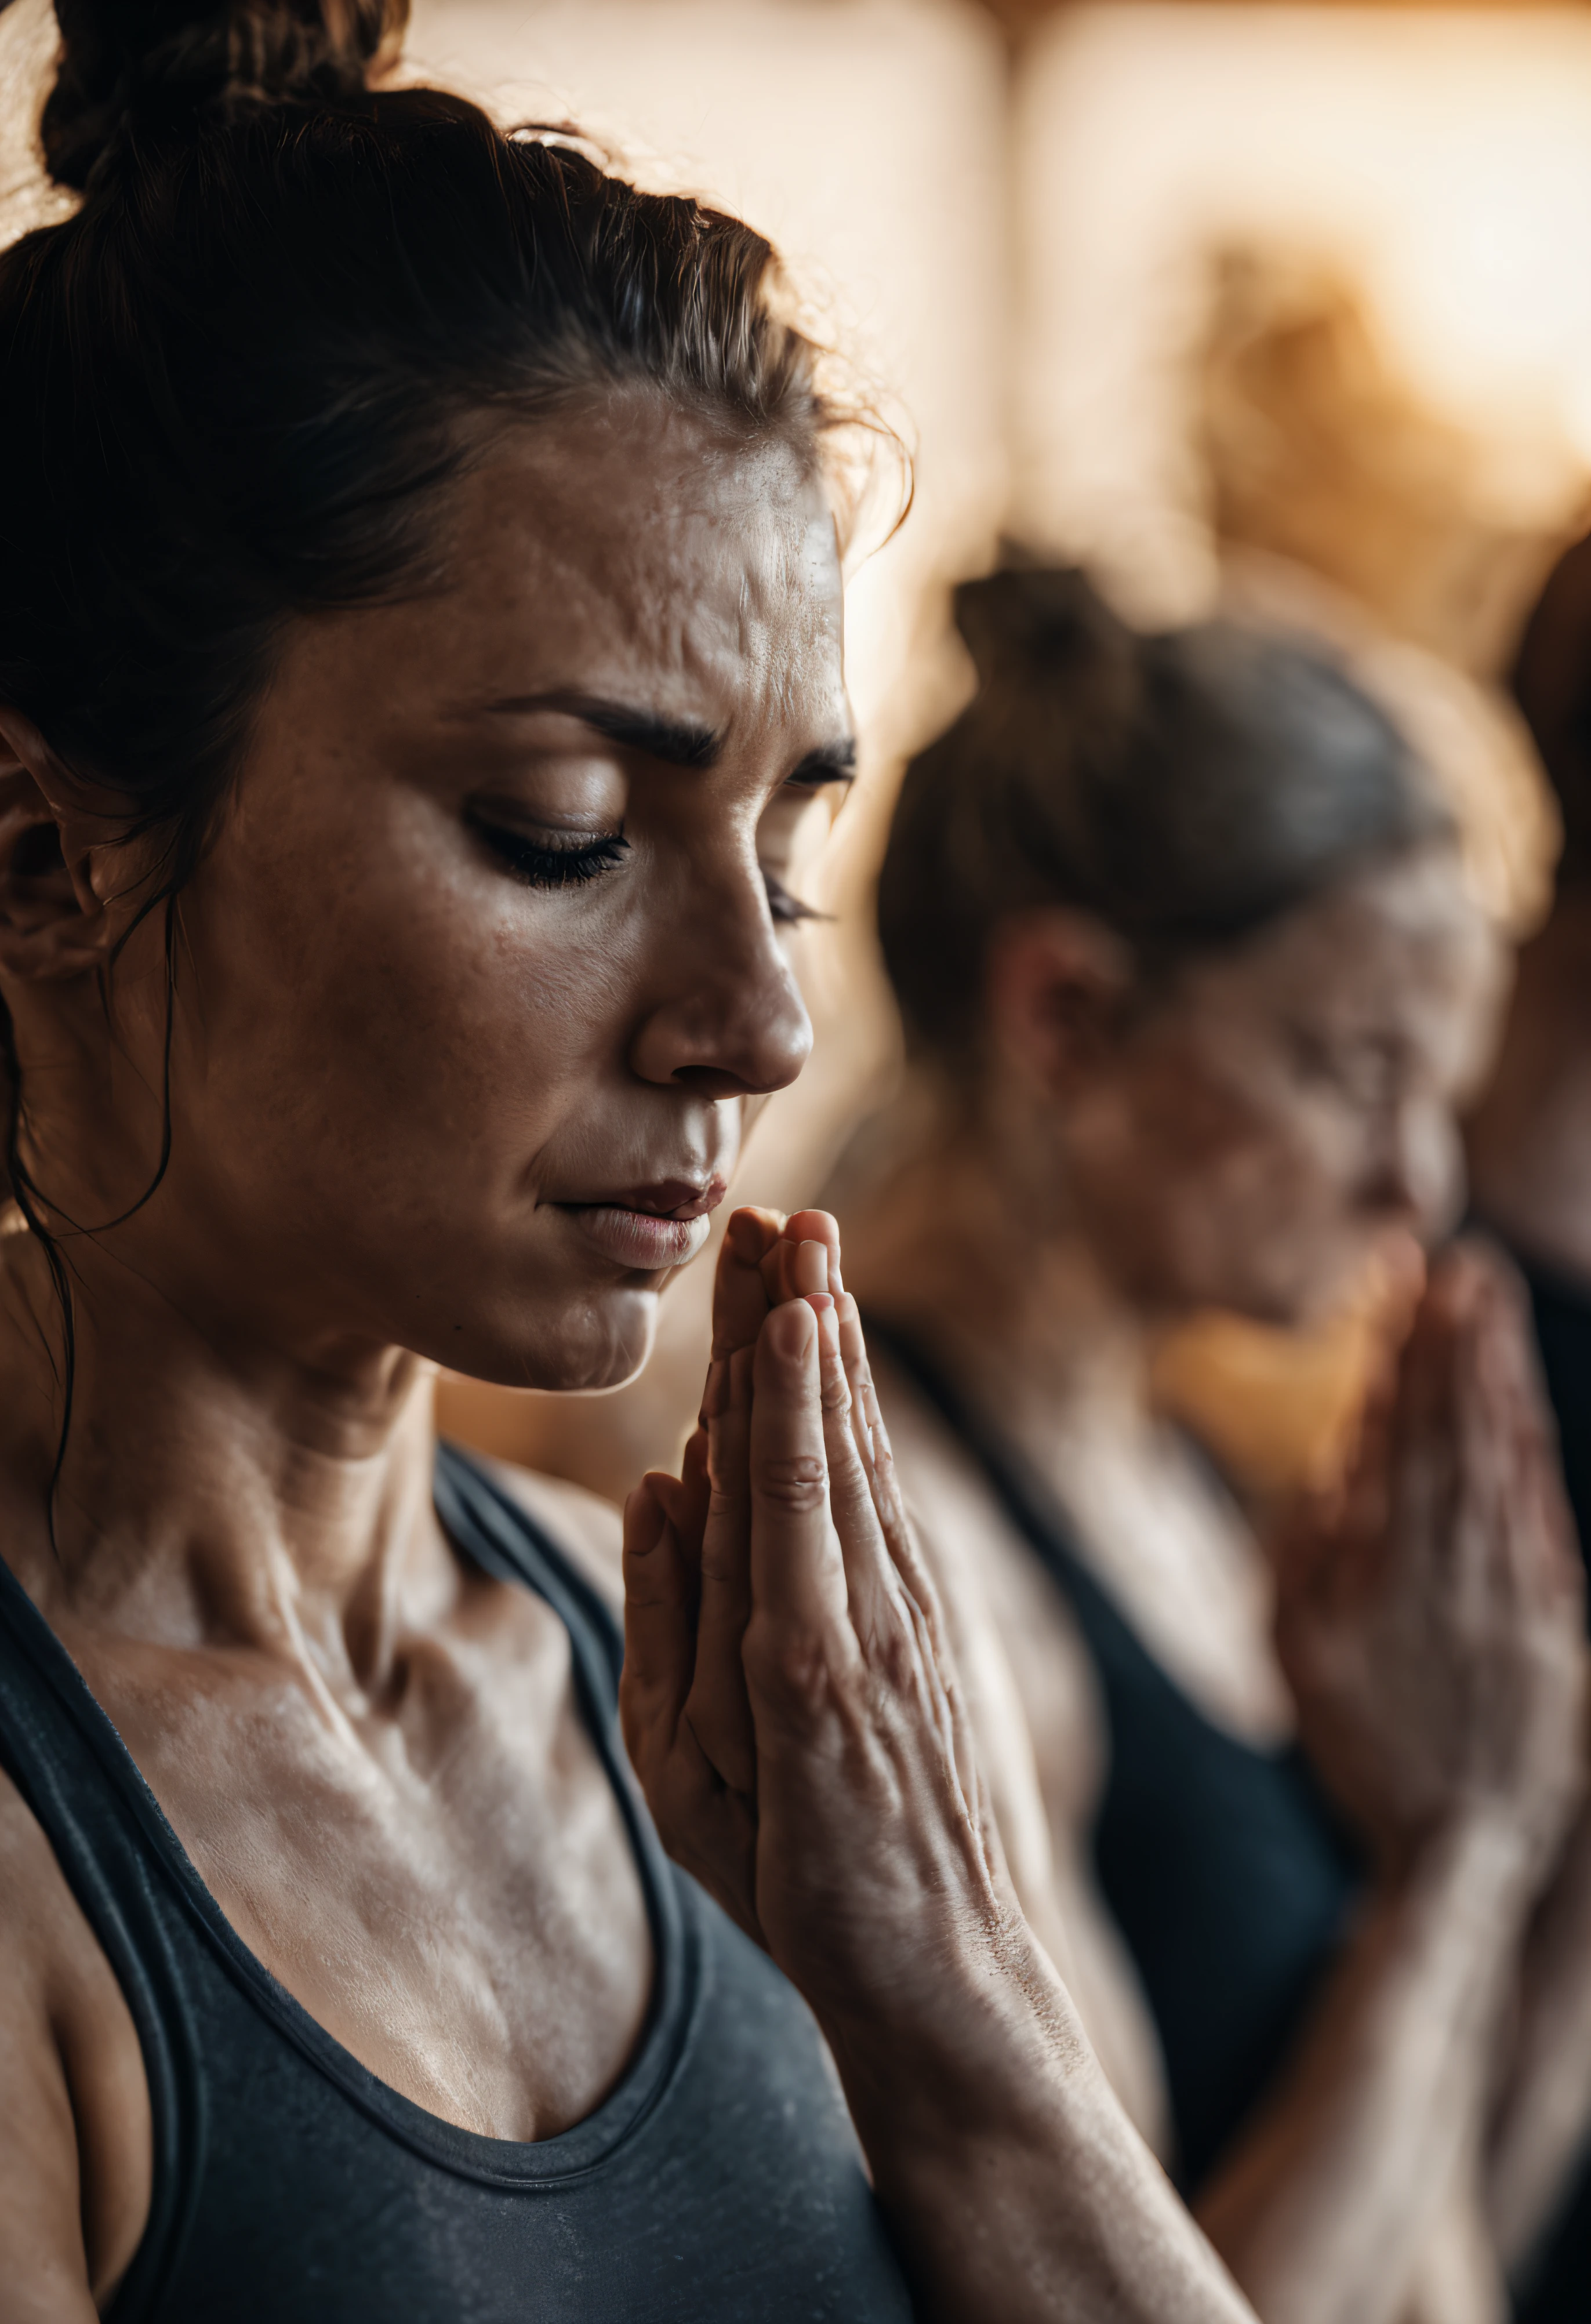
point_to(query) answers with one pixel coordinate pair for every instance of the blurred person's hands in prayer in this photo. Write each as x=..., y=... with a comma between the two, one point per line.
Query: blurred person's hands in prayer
x=1429, y=1609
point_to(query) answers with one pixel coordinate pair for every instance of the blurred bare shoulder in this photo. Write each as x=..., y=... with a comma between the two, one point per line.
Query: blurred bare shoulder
x=588, y=1528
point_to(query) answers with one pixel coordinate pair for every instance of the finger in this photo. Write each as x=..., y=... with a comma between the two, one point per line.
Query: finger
x=791, y=1273
x=877, y=1457
x=1425, y=1486
x=797, y=1572
x=719, y=1711
x=914, y=1583
x=1355, y=1536
x=872, y=1583
x=739, y=1294
x=659, y=1628
x=685, y=1498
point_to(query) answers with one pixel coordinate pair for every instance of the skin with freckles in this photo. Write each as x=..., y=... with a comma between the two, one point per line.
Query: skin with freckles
x=482, y=965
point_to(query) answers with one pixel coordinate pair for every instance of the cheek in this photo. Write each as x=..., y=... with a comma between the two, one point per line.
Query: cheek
x=419, y=1046
x=1216, y=1201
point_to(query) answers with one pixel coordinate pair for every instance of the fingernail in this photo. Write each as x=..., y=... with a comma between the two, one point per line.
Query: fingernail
x=828, y=1325
x=746, y=1236
x=788, y=1325
x=810, y=1269
x=639, y=1538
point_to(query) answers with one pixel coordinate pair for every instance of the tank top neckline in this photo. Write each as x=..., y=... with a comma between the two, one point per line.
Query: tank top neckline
x=499, y=1536
x=1033, y=1512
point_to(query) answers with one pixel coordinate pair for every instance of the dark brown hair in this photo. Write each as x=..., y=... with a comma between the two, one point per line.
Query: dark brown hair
x=232, y=384
x=1185, y=788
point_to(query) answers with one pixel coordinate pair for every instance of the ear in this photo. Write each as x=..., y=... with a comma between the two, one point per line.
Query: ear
x=52, y=924
x=1058, y=986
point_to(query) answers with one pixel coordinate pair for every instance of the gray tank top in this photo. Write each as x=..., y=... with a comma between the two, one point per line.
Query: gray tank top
x=720, y=2182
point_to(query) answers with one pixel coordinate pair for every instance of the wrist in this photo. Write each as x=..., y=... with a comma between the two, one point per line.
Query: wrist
x=1481, y=1851
x=992, y=2048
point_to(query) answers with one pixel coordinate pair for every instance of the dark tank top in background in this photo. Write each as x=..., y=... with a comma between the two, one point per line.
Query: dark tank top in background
x=1557, y=2288
x=719, y=2183
x=1224, y=1869
x=1561, y=1309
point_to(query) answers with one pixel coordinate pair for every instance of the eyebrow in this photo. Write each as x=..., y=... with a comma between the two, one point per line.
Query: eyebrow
x=677, y=741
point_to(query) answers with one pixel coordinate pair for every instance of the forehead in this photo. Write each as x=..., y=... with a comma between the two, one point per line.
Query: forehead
x=632, y=539
x=1400, y=947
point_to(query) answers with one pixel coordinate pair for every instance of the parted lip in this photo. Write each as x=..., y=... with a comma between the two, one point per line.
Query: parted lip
x=666, y=1198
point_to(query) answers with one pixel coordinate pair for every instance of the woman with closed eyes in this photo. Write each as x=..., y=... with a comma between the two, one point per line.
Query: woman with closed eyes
x=419, y=639
x=1194, y=985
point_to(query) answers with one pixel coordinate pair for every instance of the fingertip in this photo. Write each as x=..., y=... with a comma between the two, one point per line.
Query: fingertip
x=751, y=1233
x=818, y=1227
x=645, y=1517
x=791, y=1330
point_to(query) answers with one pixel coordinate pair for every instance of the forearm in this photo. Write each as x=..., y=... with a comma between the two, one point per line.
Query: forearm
x=1323, y=2211
x=1543, y=2116
x=1013, y=2180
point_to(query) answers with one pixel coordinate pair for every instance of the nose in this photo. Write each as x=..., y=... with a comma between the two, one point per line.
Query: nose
x=730, y=1020
x=1417, y=1168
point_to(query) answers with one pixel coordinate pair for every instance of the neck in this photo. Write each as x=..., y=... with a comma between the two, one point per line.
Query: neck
x=213, y=1489
x=1529, y=1143
x=972, y=1242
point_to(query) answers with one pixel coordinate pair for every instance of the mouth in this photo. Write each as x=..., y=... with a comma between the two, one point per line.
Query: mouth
x=649, y=1229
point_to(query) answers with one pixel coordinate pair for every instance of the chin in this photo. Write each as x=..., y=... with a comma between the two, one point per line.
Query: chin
x=595, y=1341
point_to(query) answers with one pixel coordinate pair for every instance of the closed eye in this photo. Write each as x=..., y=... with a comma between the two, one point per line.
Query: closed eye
x=787, y=909
x=554, y=861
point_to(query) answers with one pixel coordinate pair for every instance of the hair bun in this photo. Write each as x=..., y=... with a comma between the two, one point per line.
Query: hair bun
x=1042, y=622
x=162, y=63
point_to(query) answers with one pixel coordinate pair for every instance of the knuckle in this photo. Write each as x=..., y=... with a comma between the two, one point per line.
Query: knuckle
x=788, y=1667
x=796, y=1482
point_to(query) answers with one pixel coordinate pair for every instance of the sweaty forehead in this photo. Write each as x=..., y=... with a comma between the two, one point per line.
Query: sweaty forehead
x=1385, y=946
x=636, y=544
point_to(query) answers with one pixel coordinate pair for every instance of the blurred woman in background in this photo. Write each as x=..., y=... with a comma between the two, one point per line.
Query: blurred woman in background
x=1188, y=967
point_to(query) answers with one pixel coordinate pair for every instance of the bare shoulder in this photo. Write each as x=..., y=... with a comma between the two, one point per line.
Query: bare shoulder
x=76, y=2145
x=587, y=1528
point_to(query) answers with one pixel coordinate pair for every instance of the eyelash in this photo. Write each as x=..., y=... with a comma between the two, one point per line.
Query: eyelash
x=785, y=909
x=554, y=867
x=576, y=866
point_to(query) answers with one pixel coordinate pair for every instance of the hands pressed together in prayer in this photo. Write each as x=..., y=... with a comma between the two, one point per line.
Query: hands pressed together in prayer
x=789, y=1699
x=1431, y=1618
x=791, y=1710
x=1431, y=1625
